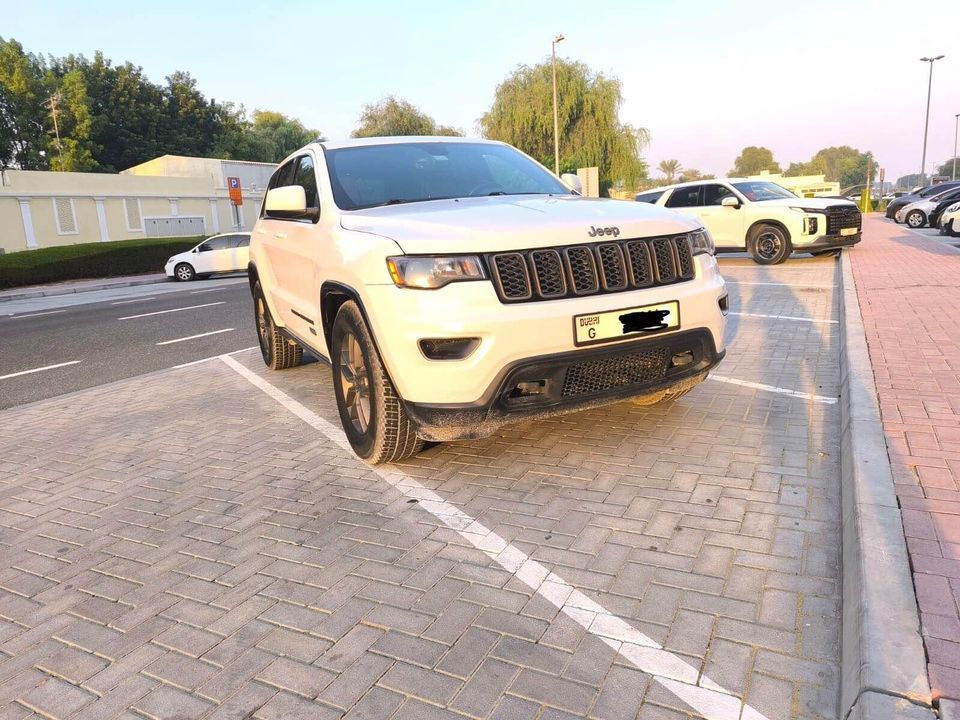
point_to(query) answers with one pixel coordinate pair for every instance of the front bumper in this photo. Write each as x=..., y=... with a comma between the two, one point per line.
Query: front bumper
x=829, y=242
x=571, y=381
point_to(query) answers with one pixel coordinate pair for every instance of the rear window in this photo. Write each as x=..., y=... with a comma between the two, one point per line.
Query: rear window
x=650, y=197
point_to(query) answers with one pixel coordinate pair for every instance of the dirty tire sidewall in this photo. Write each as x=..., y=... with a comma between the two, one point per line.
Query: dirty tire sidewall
x=278, y=353
x=769, y=245
x=389, y=436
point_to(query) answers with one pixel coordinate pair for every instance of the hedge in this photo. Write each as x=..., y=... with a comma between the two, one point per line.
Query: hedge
x=89, y=260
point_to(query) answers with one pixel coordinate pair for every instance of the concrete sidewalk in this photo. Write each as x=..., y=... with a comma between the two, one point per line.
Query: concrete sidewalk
x=909, y=293
x=79, y=286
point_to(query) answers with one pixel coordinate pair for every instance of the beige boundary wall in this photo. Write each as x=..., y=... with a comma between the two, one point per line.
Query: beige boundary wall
x=44, y=209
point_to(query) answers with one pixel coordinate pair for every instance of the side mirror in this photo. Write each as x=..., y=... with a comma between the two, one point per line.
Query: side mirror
x=572, y=181
x=289, y=203
x=730, y=201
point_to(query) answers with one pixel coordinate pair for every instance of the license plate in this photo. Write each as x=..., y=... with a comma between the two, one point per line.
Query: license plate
x=629, y=322
x=848, y=231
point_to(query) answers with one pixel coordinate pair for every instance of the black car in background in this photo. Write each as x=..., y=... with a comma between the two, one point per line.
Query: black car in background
x=919, y=195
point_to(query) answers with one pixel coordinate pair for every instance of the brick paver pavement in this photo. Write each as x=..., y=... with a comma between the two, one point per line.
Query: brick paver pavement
x=909, y=292
x=181, y=545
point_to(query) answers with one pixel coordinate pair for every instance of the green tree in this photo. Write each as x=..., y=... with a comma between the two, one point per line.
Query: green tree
x=23, y=119
x=948, y=168
x=588, y=106
x=752, y=160
x=391, y=117
x=669, y=168
x=844, y=164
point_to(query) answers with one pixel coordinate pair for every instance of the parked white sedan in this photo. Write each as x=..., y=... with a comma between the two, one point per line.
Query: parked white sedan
x=225, y=253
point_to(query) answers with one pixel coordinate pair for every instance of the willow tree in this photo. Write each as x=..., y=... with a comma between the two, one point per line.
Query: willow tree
x=588, y=106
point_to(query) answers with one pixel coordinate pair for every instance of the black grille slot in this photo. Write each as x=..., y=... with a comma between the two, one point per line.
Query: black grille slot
x=663, y=257
x=583, y=271
x=597, y=376
x=560, y=272
x=612, y=269
x=684, y=258
x=548, y=273
x=840, y=217
x=511, y=271
x=639, y=253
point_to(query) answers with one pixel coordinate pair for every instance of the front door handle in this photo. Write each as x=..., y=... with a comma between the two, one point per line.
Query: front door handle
x=280, y=236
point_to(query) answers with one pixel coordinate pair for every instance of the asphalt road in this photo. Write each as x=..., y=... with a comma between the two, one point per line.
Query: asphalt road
x=116, y=339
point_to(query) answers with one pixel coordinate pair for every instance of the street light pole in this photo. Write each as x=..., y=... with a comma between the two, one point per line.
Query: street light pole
x=926, y=124
x=956, y=126
x=556, y=121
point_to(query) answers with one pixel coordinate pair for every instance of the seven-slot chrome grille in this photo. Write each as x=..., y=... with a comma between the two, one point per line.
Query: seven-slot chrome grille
x=590, y=269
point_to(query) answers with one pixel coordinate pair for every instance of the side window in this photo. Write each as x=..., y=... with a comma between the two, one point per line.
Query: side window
x=284, y=175
x=241, y=241
x=650, y=197
x=306, y=178
x=216, y=243
x=685, y=197
x=713, y=194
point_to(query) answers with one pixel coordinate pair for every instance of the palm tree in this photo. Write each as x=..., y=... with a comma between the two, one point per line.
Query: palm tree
x=669, y=168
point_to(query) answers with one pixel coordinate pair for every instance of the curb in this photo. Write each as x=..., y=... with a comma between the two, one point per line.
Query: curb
x=883, y=666
x=54, y=290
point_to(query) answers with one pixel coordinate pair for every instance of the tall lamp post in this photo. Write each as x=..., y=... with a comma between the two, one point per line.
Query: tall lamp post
x=556, y=121
x=926, y=124
x=956, y=126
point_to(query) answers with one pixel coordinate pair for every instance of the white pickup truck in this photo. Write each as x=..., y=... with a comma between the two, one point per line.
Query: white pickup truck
x=454, y=285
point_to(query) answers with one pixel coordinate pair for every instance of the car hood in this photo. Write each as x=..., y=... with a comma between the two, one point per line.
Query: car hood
x=812, y=203
x=497, y=224
x=921, y=204
x=180, y=256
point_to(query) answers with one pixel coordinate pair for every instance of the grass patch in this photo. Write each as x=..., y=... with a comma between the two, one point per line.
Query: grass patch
x=89, y=260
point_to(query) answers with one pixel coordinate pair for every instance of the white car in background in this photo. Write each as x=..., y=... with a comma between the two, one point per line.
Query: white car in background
x=763, y=218
x=225, y=253
x=950, y=221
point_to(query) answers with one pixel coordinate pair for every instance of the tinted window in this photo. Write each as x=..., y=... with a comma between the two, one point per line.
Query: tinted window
x=284, y=175
x=685, y=197
x=713, y=194
x=650, y=197
x=306, y=178
x=372, y=175
x=216, y=243
x=761, y=190
x=241, y=241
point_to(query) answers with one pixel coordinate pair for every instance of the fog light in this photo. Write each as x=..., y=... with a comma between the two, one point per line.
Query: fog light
x=448, y=348
x=810, y=225
x=529, y=388
x=682, y=359
x=725, y=304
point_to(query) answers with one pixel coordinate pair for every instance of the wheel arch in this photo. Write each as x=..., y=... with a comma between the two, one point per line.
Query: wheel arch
x=333, y=294
x=776, y=223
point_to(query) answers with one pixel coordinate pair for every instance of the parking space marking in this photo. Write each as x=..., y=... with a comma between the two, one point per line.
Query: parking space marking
x=676, y=675
x=779, y=284
x=136, y=300
x=163, y=312
x=194, y=337
x=774, y=389
x=213, y=357
x=39, y=369
x=36, y=314
x=783, y=317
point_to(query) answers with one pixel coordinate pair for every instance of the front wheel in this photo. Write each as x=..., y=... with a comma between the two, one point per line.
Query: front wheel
x=184, y=272
x=278, y=352
x=916, y=219
x=769, y=245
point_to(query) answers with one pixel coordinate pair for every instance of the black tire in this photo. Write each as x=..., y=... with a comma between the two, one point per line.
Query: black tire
x=769, y=245
x=371, y=412
x=916, y=219
x=828, y=253
x=184, y=272
x=278, y=352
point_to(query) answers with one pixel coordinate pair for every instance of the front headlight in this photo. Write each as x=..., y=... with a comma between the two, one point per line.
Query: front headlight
x=953, y=208
x=702, y=242
x=808, y=210
x=430, y=273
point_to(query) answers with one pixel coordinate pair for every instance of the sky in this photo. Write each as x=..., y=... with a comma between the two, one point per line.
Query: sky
x=706, y=78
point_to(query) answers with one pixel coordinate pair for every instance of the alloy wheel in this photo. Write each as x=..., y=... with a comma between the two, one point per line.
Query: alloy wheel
x=263, y=326
x=769, y=245
x=355, y=382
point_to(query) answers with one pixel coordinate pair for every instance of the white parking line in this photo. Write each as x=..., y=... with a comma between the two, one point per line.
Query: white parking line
x=774, y=389
x=127, y=302
x=675, y=674
x=39, y=369
x=36, y=314
x=784, y=317
x=778, y=284
x=163, y=312
x=213, y=357
x=194, y=337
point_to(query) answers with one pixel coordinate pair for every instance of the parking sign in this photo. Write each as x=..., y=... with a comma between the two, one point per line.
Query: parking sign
x=236, y=193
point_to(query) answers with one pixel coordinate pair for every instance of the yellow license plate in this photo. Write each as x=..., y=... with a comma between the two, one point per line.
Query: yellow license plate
x=848, y=231
x=629, y=322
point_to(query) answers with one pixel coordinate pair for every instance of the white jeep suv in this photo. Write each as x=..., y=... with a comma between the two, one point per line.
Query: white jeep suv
x=763, y=218
x=454, y=285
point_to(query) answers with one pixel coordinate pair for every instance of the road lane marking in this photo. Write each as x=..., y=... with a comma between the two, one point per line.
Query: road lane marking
x=784, y=317
x=194, y=337
x=163, y=312
x=675, y=674
x=214, y=357
x=774, y=389
x=194, y=292
x=127, y=302
x=39, y=369
x=36, y=314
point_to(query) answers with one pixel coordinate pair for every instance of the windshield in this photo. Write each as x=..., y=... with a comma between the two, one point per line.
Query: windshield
x=762, y=190
x=372, y=175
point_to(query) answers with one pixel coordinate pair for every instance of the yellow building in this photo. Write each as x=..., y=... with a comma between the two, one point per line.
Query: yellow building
x=167, y=197
x=801, y=185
